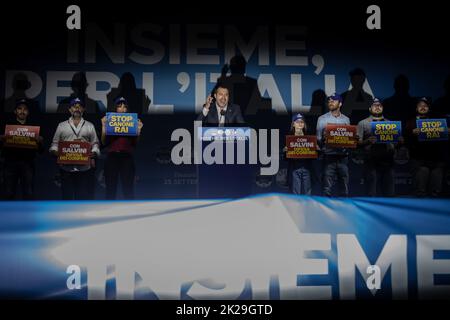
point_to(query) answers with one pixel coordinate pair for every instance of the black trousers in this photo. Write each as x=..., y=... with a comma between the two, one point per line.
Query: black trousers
x=427, y=177
x=19, y=173
x=335, y=168
x=76, y=185
x=379, y=177
x=119, y=165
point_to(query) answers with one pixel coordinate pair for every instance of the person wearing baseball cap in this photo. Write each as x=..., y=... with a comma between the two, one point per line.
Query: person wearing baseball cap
x=378, y=158
x=76, y=180
x=427, y=158
x=19, y=163
x=335, y=159
x=335, y=97
x=119, y=162
x=299, y=170
x=120, y=100
x=297, y=116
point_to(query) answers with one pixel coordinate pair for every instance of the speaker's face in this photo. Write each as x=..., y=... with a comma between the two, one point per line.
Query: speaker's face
x=222, y=97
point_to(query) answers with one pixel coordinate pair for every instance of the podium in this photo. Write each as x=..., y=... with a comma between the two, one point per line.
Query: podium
x=225, y=171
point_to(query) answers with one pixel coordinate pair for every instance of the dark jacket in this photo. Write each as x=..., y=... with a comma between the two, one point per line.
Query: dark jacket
x=233, y=115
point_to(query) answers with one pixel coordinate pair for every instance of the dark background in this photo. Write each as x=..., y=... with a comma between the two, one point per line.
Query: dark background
x=32, y=33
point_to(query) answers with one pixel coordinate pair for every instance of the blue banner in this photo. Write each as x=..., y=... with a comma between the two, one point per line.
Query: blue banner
x=121, y=124
x=432, y=129
x=265, y=247
x=387, y=131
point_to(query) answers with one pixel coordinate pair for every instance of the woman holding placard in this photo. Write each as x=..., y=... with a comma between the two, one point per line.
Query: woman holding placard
x=299, y=156
x=119, y=163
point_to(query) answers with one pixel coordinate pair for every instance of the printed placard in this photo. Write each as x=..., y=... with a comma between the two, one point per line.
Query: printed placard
x=74, y=152
x=121, y=124
x=300, y=147
x=341, y=136
x=18, y=136
x=432, y=129
x=387, y=131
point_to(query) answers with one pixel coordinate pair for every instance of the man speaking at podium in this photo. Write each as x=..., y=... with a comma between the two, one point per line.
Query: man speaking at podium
x=218, y=112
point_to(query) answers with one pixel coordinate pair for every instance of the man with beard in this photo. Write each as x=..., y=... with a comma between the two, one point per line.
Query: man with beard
x=335, y=159
x=19, y=165
x=379, y=157
x=427, y=157
x=76, y=179
x=222, y=112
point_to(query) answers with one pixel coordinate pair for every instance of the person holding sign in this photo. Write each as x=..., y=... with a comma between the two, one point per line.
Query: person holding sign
x=335, y=159
x=378, y=153
x=76, y=159
x=119, y=161
x=299, y=168
x=20, y=145
x=428, y=156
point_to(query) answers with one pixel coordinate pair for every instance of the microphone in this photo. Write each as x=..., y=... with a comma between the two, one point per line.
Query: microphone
x=222, y=114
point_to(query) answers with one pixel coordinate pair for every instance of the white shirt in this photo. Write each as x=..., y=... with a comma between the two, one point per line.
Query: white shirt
x=67, y=131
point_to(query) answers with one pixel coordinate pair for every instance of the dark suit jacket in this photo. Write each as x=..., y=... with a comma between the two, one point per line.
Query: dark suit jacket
x=233, y=115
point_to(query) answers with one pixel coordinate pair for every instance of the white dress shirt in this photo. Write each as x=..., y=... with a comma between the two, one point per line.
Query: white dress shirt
x=67, y=131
